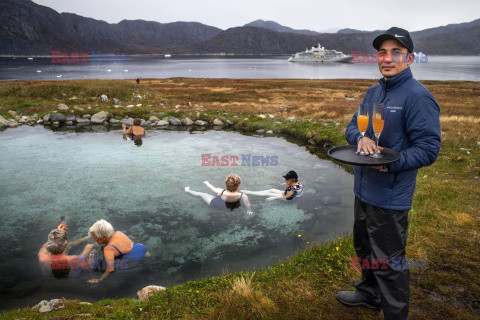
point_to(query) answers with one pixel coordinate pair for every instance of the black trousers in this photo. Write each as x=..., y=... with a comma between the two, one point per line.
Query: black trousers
x=380, y=238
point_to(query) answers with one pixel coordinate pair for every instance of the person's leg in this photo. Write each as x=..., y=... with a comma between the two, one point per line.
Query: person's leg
x=387, y=230
x=264, y=193
x=205, y=196
x=367, y=285
x=216, y=190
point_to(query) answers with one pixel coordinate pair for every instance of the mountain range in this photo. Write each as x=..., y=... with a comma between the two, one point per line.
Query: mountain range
x=27, y=28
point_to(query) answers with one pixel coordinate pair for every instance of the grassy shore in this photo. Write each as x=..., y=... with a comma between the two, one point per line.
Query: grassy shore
x=444, y=220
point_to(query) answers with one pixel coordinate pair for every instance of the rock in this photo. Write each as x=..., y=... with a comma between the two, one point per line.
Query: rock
x=56, y=123
x=162, y=123
x=99, y=117
x=46, y=117
x=12, y=113
x=86, y=116
x=116, y=101
x=114, y=121
x=177, y=106
x=103, y=98
x=57, y=117
x=24, y=119
x=271, y=116
x=13, y=124
x=138, y=105
x=73, y=98
x=62, y=107
x=478, y=144
x=127, y=121
x=24, y=288
x=262, y=116
x=476, y=178
x=260, y=131
x=47, y=306
x=130, y=106
x=148, y=291
x=201, y=123
x=153, y=119
x=145, y=123
x=32, y=122
x=174, y=121
x=4, y=122
x=40, y=121
x=230, y=122
x=68, y=123
x=82, y=120
x=70, y=117
x=187, y=121
x=269, y=132
x=218, y=122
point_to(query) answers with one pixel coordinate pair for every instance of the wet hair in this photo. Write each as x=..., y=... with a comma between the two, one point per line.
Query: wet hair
x=233, y=182
x=137, y=121
x=102, y=228
x=57, y=241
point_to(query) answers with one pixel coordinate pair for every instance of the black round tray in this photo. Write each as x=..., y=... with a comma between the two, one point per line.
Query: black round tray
x=347, y=154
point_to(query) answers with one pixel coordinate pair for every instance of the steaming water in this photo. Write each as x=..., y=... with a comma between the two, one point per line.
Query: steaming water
x=140, y=190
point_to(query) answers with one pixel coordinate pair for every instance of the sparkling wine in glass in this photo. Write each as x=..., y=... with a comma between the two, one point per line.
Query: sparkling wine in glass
x=378, y=120
x=362, y=121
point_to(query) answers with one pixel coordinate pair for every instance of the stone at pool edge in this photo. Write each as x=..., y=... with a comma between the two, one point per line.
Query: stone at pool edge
x=148, y=291
x=187, y=121
x=57, y=117
x=174, y=121
x=100, y=117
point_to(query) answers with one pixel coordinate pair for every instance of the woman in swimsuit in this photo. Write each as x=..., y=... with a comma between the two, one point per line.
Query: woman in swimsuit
x=136, y=129
x=229, y=198
x=53, y=255
x=293, y=190
x=117, y=246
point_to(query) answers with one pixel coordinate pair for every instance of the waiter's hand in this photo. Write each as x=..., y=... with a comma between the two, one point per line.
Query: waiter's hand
x=368, y=146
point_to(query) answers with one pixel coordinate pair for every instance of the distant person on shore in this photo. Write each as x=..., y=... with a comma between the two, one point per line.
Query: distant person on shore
x=384, y=194
x=53, y=255
x=138, y=80
x=117, y=247
x=293, y=190
x=229, y=198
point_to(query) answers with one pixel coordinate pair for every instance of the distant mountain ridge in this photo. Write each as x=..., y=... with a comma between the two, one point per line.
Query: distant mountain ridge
x=29, y=28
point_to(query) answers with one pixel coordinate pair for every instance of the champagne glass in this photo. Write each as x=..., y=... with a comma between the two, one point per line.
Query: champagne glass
x=378, y=120
x=362, y=121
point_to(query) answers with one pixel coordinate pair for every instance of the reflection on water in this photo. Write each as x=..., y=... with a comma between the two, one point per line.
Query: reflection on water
x=97, y=175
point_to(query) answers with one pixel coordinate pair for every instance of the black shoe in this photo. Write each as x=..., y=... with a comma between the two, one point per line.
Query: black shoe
x=355, y=299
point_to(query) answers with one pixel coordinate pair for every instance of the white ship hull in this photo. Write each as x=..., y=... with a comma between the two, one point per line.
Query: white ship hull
x=319, y=54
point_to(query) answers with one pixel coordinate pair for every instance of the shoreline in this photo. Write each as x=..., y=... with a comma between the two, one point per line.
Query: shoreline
x=444, y=220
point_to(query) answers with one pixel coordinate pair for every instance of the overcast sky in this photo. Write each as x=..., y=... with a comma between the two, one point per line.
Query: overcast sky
x=316, y=15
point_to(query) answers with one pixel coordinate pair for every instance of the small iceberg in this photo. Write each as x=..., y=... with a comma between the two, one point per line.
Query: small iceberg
x=30, y=58
x=109, y=70
x=125, y=70
x=168, y=55
x=39, y=71
x=59, y=76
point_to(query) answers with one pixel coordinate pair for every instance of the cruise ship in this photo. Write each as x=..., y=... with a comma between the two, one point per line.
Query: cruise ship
x=319, y=54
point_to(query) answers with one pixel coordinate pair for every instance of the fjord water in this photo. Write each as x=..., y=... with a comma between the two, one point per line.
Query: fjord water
x=89, y=176
x=251, y=67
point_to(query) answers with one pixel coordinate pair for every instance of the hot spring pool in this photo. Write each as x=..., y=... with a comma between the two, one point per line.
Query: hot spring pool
x=140, y=190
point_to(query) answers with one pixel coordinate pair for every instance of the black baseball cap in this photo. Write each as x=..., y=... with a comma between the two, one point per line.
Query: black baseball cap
x=399, y=34
x=291, y=175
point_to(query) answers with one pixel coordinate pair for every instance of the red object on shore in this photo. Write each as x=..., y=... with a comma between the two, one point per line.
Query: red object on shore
x=138, y=80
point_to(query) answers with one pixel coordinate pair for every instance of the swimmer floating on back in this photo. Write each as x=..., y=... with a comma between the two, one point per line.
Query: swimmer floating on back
x=294, y=189
x=225, y=199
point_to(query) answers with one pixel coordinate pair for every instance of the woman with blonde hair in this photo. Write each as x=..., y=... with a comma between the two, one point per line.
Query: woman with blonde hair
x=229, y=198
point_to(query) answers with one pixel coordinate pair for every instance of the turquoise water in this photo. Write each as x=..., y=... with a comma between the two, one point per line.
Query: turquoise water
x=90, y=176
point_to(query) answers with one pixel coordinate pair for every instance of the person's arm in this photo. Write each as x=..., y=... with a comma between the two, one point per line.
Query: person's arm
x=246, y=202
x=282, y=196
x=125, y=130
x=110, y=261
x=79, y=241
x=43, y=250
x=422, y=126
x=218, y=191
